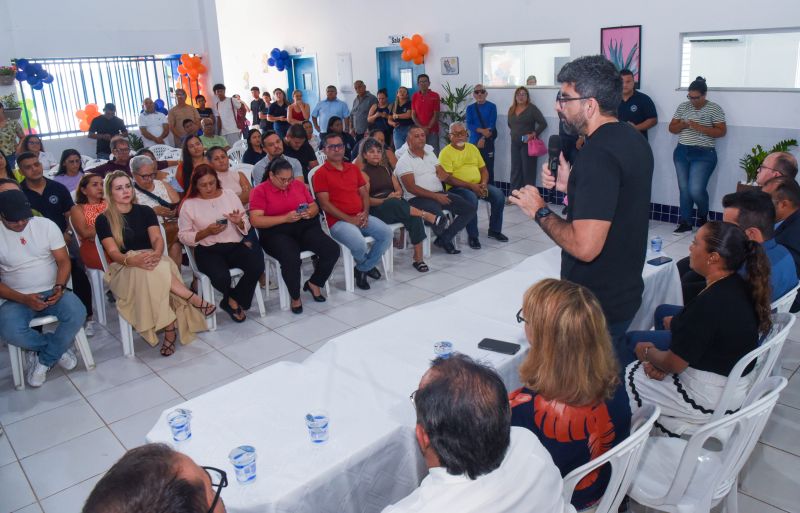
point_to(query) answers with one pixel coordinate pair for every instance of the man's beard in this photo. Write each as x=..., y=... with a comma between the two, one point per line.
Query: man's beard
x=572, y=127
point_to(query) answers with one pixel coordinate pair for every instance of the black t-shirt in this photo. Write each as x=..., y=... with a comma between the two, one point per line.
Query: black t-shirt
x=716, y=328
x=134, y=234
x=279, y=111
x=103, y=125
x=638, y=108
x=206, y=113
x=304, y=155
x=53, y=203
x=402, y=109
x=610, y=181
x=251, y=157
x=257, y=107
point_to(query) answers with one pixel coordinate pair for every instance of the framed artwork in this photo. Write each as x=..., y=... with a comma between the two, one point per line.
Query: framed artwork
x=623, y=47
x=449, y=65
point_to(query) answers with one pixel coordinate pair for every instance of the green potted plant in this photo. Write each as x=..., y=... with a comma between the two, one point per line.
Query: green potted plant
x=12, y=107
x=455, y=101
x=753, y=160
x=7, y=74
x=135, y=141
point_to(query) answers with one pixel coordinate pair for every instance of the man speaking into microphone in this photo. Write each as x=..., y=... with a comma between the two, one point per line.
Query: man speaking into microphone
x=604, y=236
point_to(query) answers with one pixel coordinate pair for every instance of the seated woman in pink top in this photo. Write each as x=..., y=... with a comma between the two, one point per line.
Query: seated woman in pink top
x=214, y=222
x=236, y=181
x=286, y=217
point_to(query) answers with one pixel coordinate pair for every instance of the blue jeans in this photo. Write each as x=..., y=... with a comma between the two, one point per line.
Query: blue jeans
x=400, y=133
x=497, y=201
x=694, y=165
x=353, y=237
x=660, y=336
x=15, y=317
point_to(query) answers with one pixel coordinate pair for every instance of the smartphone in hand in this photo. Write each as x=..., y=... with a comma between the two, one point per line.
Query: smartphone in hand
x=302, y=207
x=222, y=221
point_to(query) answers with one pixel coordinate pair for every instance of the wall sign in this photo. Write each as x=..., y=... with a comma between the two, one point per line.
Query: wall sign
x=394, y=39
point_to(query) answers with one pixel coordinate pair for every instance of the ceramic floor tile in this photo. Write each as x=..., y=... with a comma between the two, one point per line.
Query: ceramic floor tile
x=501, y=257
x=138, y=395
x=16, y=405
x=358, y=313
x=790, y=396
x=316, y=346
x=111, y=373
x=6, y=452
x=33, y=508
x=790, y=354
x=132, y=430
x=312, y=329
x=259, y=349
x=473, y=270
x=155, y=361
x=406, y=294
x=278, y=318
x=529, y=247
x=71, y=499
x=52, y=427
x=15, y=492
x=298, y=356
x=72, y=462
x=748, y=504
x=783, y=429
x=212, y=386
x=771, y=475
x=336, y=298
x=435, y=282
x=232, y=333
x=200, y=372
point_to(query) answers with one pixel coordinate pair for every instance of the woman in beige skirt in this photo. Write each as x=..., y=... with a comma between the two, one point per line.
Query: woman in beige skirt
x=149, y=291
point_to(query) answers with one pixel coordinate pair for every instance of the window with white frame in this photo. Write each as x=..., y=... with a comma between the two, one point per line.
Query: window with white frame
x=535, y=63
x=763, y=59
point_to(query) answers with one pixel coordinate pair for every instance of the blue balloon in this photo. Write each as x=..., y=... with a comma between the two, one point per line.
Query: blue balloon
x=284, y=54
x=275, y=53
x=22, y=64
x=38, y=86
x=37, y=67
x=159, y=103
x=280, y=67
x=32, y=79
x=48, y=79
x=21, y=76
x=271, y=62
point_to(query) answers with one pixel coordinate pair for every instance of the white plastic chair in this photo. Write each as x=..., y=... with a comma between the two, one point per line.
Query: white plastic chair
x=207, y=291
x=783, y=303
x=246, y=169
x=98, y=288
x=347, y=257
x=85, y=159
x=624, y=459
x=237, y=151
x=283, y=291
x=321, y=157
x=173, y=154
x=160, y=150
x=93, y=164
x=681, y=476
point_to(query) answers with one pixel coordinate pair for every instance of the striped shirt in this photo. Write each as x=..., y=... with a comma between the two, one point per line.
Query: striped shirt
x=709, y=114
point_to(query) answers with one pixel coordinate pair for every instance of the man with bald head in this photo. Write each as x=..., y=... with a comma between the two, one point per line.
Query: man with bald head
x=210, y=138
x=363, y=101
x=482, y=126
x=777, y=164
x=153, y=125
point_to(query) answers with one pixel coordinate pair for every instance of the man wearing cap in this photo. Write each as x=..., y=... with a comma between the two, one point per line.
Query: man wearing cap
x=34, y=269
x=482, y=126
x=104, y=127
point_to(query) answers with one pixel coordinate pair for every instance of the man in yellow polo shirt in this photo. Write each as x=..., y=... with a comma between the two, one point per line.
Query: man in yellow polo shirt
x=469, y=178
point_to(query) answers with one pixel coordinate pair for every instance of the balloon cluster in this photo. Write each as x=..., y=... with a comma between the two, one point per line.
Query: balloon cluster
x=191, y=65
x=279, y=58
x=414, y=49
x=161, y=106
x=87, y=115
x=32, y=73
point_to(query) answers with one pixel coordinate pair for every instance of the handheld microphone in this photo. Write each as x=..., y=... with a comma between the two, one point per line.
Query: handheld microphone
x=553, y=153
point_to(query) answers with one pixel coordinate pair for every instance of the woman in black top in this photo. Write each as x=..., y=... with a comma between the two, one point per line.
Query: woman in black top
x=709, y=335
x=147, y=284
x=401, y=117
x=277, y=113
x=336, y=126
x=379, y=115
x=254, y=151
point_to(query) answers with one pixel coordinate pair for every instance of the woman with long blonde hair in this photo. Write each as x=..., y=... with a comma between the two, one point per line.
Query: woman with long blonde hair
x=147, y=284
x=526, y=122
x=572, y=397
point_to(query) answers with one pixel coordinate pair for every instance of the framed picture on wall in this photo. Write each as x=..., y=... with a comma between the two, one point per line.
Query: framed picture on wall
x=623, y=47
x=449, y=65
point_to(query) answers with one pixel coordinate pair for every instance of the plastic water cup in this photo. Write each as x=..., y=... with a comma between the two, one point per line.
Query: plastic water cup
x=443, y=349
x=655, y=244
x=180, y=422
x=317, y=424
x=243, y=459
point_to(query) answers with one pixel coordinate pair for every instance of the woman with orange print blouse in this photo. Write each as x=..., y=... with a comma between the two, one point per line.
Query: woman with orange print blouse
x=572, y=398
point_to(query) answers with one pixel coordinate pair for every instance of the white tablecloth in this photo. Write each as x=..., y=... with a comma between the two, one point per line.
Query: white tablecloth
x=363, y=379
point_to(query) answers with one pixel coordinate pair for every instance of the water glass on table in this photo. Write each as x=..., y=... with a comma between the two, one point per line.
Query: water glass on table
x=317, y=424
x=243, y=459
x=180, y=423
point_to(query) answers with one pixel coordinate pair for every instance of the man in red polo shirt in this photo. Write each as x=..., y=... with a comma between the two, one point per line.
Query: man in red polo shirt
x=342, y=193
x=425, y=111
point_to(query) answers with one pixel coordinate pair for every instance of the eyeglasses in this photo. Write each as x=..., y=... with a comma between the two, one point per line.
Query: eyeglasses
x=560, y=100
x=219, y=480
x=148, y=176
x=762, y=166
x=479, y=91
x=335, y=147
x=72, y=161
x=121, y=150
x=520, y=318
x=413, y=396
x=461, y=133
x=694, y=97
x=33, y=141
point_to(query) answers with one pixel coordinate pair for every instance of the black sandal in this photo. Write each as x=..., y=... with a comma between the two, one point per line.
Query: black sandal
x=318, y=299
x=207, y=308
x=233, y=312
x=168, y=347
x=421, y=266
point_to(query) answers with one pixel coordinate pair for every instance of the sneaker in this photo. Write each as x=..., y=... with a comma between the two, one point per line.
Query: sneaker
x=682, y=228
x=30, y=359
x=497, y=236
x=439, y=225
x=88, y=328
x=68, y=360
x=37, y=374
x=374, y=273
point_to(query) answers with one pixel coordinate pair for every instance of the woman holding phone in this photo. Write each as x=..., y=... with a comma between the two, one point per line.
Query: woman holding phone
x=285, y=214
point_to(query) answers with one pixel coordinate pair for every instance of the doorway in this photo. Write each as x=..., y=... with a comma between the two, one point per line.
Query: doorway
x=394, y=72
x=302, y=76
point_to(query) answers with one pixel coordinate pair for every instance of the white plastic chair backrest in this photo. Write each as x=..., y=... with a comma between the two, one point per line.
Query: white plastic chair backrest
x=85, y=159
x=311, y=174
x=159, y=150
x=624, y=460
x=173, y=154
x=246, y=169
x=190, y=257
x=740, y=431
x=767, y=354
x=241, y=144
x=93, y=164
x=101, y=251
x=235, y=155
x=321, y=157
x=783, y=303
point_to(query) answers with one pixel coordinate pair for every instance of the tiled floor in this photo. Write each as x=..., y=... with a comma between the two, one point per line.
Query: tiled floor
x=61, y=438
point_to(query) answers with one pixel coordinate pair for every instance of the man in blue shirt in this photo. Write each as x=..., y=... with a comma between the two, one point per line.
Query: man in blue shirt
x=328, y=108
x=636, y=108
x=482, y=126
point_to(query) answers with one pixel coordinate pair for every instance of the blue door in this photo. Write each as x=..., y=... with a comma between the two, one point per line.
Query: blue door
x=303, y=76
x=393, y=71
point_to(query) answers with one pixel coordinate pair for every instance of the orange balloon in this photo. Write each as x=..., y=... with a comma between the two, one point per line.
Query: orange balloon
x=91, y=108
x=405, y=43
x=419, y=59
x=184, y=57
x=201, y=69
x=80, y=114
x=405, y=56
x=412, y=53
x=423, y=49
x=84, y=126
x=417, y=39
x=182, y=69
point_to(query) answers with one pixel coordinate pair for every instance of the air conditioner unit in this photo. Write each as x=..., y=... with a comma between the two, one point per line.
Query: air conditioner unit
x=717, y=39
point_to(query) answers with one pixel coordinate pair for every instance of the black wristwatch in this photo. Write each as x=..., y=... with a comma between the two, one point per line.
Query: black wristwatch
x=542, y=213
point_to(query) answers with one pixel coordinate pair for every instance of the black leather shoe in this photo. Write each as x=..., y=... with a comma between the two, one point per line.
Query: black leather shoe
x=374, y=273
x=318, y=299
x=474, y=243
x=297, y=309
x=361, y=280
x=498, y=236
x=440, y=225
x=446, y=246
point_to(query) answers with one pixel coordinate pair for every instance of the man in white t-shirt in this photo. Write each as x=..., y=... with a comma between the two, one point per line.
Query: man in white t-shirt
x=421, y=175
x=34, y=269
x=477, y=462
x=153, y=125
x=226, y=109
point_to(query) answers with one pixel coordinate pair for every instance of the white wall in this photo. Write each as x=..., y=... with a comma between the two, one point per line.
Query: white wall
x=333, y=27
